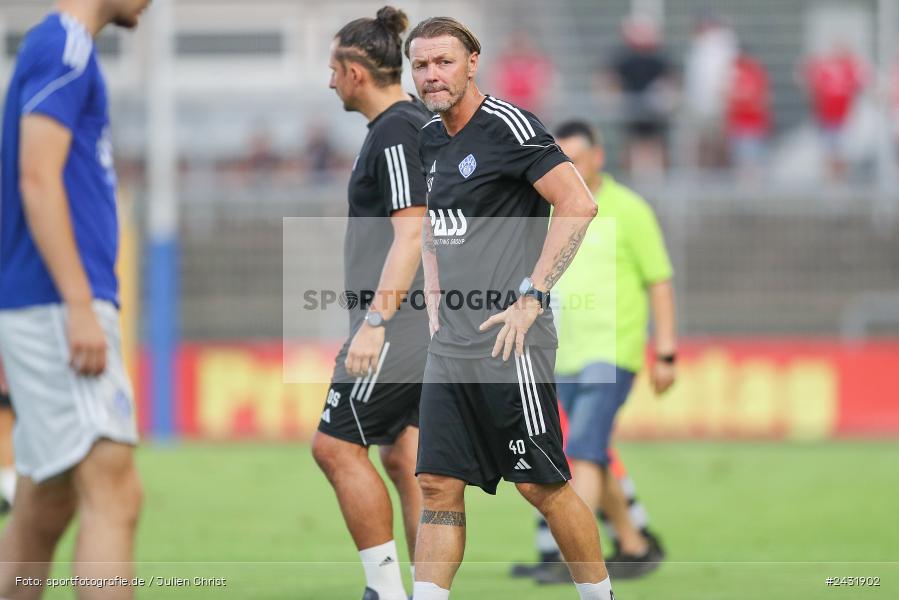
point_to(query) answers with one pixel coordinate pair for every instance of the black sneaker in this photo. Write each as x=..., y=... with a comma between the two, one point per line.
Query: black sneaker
x=550, y=573
x=370, y=594
x=631, y=566
x=523, y=570
x=654, y=543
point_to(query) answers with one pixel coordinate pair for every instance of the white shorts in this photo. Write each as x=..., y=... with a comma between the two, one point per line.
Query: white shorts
x=60, y=415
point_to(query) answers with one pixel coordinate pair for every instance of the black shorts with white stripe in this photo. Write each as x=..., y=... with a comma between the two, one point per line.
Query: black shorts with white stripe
x=483, y=420
x=374, y=410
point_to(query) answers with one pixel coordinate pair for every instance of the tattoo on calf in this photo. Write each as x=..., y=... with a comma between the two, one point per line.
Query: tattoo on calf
x=443, y=517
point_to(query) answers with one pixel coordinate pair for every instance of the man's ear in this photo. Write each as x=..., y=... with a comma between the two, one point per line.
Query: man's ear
x=473, y=64
x=600, y=158
x=356, y=72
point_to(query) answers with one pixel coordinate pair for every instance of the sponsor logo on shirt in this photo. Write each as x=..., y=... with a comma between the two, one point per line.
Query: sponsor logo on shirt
x=449, y=226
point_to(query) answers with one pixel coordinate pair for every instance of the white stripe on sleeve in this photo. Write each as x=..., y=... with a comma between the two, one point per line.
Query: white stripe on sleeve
x=393, y=183
x=405, y=172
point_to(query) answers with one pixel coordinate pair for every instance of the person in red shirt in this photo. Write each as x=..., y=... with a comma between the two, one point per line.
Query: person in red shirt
x=523, y=74
x=748, y=114
x=834, y=81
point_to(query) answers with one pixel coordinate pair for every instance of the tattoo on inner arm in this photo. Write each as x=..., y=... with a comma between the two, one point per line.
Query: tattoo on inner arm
x=443, y=517
x=564, y=258
x=427, y=237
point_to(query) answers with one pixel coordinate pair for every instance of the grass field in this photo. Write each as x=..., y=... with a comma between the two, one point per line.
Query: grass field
x=740, y=521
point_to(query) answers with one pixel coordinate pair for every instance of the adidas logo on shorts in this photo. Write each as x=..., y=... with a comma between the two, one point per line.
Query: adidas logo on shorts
x=521, y=465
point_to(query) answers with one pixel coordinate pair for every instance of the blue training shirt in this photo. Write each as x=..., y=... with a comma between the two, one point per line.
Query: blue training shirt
x=57, y=75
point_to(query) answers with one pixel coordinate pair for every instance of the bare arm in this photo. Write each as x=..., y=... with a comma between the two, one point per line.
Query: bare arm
x=402, y=261
x=396, y=276
x=432, y=277
x=44, y=149
x=661, y=300
x=574, y=209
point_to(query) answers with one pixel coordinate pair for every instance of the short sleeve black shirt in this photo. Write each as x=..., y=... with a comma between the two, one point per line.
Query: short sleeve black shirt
x=386, y=177
x=488, y=221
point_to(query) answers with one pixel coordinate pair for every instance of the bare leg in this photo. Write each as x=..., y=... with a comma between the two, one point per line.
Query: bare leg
x=41, y=513
x=441, y=534
x=587, y=482
x=361, y=492
x=7, y=462
x=399, y=462
x=6, y=425
x=109, y=498
x=614, y=504
x=573, y=525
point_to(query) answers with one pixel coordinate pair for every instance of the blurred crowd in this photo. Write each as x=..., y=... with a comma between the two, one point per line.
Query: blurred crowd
x=708, y=111
x=719, y=95
x=719, y=98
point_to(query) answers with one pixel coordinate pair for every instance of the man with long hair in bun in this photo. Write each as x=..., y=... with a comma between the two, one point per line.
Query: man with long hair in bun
x=376, y=384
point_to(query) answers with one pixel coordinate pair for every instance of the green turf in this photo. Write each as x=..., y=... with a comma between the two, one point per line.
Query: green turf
x=739, y=521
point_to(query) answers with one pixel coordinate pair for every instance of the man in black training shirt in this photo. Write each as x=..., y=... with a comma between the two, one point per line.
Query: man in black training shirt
x=492, y=173
x=376, y=385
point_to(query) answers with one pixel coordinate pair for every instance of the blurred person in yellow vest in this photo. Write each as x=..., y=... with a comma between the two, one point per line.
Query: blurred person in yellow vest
x=621, y=274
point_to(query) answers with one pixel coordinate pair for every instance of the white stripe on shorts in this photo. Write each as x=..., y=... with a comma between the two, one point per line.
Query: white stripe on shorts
x=377, y=371
x=527, y=355
x=524, y=402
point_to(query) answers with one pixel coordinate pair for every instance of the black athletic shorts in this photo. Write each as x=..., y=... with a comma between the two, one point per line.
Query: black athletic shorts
x=484, y=419
x=373, y=411
x=5, y=401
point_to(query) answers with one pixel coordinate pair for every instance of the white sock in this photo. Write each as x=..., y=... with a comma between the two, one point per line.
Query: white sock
x=8, y=483
x=412, y=570
x=382, y=571
x=425, y=590
x=595, y=591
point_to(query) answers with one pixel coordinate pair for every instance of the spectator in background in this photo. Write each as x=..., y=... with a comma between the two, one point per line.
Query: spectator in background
x=523, y=74
x=706, y=73
x=261, y=159
x=833, y=81
x=748, y=114
x=319, y=157
x=640, y=79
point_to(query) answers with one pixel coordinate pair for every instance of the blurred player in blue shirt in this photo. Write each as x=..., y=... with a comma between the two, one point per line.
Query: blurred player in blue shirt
x=59, y=330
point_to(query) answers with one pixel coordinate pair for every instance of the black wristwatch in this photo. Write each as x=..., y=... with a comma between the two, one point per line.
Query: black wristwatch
x=667, y=358
x=527, y=289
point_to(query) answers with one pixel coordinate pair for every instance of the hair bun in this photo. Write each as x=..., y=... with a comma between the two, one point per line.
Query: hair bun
x=393, y=19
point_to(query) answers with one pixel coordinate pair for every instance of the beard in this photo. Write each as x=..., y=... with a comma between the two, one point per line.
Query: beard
x=442, y=106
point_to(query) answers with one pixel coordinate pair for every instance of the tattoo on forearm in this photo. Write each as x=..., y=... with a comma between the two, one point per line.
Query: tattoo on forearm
x=564, y=258
x=443, y=517
x=427, y=237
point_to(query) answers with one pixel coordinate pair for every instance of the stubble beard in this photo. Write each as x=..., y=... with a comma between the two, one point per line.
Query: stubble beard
x=446, y=105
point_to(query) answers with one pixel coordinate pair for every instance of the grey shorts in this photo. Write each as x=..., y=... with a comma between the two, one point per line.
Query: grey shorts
x=60, y=415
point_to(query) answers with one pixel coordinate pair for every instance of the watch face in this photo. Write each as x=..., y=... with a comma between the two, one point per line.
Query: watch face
x=374, y=319
x=526, y=284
